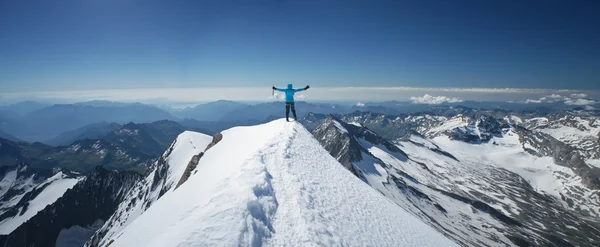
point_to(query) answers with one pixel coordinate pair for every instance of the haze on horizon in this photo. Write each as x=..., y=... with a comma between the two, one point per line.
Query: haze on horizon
x=107, y=48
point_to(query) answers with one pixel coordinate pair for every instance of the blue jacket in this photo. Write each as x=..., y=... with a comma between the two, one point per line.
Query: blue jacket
x=289, y=93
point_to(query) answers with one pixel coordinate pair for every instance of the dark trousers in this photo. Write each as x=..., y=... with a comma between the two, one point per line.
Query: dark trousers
x=289, y=105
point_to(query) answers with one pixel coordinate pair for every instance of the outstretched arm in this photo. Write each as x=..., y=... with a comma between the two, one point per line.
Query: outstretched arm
x=302, y=89
x=278, y=89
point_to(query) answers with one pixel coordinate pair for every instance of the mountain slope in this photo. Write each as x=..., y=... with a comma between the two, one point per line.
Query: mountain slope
x=9, y=137
x=478, y=193
x=274, y=185
x=24, y=107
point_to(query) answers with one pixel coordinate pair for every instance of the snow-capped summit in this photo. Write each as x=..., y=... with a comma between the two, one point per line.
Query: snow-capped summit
x=272, y=185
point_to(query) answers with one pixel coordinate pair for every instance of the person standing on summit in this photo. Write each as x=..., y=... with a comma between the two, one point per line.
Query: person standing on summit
x=289, y=99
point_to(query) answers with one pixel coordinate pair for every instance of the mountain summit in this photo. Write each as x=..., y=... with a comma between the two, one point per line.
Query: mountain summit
x=272, y=185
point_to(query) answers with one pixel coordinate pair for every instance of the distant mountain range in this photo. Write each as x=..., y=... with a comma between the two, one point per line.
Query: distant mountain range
x=212, y=111
x=9, y=137
x=91, y=131
x=63, y=123
x=49, y=122
x=21, y=108
x=128, y=147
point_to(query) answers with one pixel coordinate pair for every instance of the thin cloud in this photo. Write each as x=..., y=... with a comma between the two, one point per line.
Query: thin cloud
x=434, y=100
x=580, y=102
x=354, y=94
x=575, y=99
x=579, y=95
x=548, y=99
x=360, y=104
x=535, y=101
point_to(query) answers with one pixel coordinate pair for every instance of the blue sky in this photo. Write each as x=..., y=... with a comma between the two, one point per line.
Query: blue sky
x=100, y=45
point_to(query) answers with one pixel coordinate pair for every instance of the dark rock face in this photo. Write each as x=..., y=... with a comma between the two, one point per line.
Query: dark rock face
x=194, y=161
x=188, y=170
x=340, y=145
x=94, y=198
x=216, y=139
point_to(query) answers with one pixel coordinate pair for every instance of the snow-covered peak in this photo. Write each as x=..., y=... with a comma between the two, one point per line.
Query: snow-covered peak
x=274, y=185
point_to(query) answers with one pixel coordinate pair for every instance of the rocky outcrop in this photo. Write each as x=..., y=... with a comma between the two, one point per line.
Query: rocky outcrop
x=196, y=158
x=188, y=170
x=216, y=139
x=339, y=144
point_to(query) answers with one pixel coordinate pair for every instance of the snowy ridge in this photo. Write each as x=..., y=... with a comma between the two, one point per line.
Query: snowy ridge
x=279, y=189
x=166, y=173
x=39, y=196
